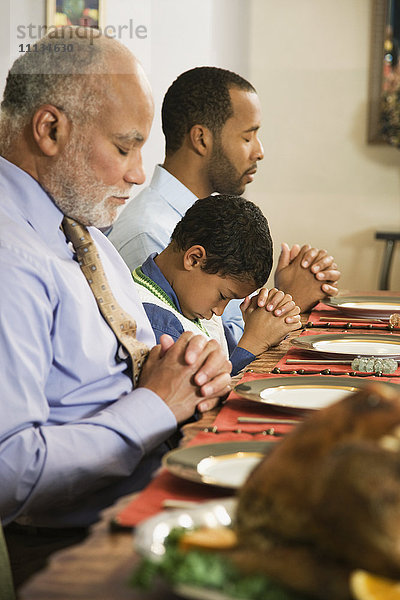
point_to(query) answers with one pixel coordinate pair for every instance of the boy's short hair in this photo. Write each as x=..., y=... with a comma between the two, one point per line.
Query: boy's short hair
x=234, y=233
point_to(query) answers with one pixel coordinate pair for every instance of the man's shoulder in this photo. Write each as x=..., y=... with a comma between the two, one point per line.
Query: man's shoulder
x=139, y=214
x=144, y=226
x=146, y=201
x=159, y=205
x=19, y=242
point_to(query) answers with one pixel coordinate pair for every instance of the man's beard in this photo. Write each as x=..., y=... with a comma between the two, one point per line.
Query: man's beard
x=223, y=176
x=75, y=190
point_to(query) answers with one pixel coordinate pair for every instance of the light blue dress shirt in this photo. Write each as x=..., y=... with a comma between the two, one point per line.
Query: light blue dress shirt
x=147, y=222
x=73, y=434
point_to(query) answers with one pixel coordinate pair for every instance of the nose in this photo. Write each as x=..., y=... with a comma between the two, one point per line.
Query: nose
x=220, y=307
x=258, y=150
x=135, y=172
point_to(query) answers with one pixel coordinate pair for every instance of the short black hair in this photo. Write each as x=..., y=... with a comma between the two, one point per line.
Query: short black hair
x=234, y=233
x=198, y=97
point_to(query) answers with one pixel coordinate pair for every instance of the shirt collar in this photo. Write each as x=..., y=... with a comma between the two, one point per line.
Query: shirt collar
x=31, y=202
x=172, y=190
x=150, y=269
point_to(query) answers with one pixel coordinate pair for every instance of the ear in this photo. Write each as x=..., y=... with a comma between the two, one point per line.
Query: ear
x=50, y=129
x=201, y=139
x=194, y=258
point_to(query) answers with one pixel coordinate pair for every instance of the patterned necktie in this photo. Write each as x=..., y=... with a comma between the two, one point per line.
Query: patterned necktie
x=122, y=324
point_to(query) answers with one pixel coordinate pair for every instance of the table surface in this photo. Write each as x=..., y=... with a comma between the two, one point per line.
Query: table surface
x=100, y=567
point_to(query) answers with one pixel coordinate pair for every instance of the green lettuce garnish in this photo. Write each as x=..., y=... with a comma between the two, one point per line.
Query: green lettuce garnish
x=206, y=570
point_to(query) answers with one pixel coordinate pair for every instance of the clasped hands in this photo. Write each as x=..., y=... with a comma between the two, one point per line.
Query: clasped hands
x=191, y=373
x=307, y=274
x=269, y=317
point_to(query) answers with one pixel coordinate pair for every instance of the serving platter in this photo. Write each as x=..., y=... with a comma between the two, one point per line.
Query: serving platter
x=225, y=464
x=195, y=593
x=150, y=542
x=299, y=394
x=351, y=345
x=150, y=535
x=365, y=306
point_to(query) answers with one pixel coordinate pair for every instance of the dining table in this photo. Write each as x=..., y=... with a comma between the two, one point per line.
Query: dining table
x=101, y=566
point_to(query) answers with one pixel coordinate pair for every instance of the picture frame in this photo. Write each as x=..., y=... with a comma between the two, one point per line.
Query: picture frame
x=378, y=24
x=384, y=74
x=85, y=13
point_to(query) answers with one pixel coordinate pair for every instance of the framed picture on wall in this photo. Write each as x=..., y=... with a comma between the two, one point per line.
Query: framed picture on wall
x=86, y=13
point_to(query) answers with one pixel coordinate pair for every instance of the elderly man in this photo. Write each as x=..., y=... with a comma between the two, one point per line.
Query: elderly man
x=83, y=421
x=211, y=119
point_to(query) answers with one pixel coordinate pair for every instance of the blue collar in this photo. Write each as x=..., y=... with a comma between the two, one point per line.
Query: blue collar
x=150, y=269
x=172, y=190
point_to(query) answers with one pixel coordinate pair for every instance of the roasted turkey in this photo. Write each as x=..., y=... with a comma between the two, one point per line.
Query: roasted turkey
x=326, y=500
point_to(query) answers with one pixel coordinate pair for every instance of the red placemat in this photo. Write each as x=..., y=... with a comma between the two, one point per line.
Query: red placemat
x=324, y=312
x=299, y=355
x=166, y=486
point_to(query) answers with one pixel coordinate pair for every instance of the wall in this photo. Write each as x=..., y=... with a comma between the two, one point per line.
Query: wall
x=12, y=14
x=319, y=182
x=181, y=34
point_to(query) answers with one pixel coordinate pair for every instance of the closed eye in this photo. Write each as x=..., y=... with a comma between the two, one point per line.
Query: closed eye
x=122, y=152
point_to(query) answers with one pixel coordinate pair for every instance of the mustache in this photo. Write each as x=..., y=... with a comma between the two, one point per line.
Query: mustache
x=116, y=191
x=252, y=169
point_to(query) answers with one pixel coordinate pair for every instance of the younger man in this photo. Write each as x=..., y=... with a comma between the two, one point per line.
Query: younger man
x=220, y=250
x=211, y=119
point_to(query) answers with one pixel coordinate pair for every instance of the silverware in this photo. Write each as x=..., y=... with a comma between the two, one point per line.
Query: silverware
x=365, y=326
x=269, y=431
x=299, y=361
x=355, y=320
x=264, y=420
x=277, y=371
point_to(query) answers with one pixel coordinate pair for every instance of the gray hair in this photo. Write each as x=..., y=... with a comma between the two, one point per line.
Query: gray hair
x=58, y=75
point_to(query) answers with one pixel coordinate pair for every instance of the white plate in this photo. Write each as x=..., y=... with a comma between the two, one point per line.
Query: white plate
x=230, y=470
x=306, y=397
x=351, y=344
x=224, y=464
x=375, y=306
x=299, y=394
x=366, y=306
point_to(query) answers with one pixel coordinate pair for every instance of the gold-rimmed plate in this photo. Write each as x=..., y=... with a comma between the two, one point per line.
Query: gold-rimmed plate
x=378, y=307
x=224, y=464
x=350, y=345
x=300, y=394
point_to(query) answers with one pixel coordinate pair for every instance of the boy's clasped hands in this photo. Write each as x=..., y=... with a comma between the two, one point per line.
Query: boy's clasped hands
x=269, y=317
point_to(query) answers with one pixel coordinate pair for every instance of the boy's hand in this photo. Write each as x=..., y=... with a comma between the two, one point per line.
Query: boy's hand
x=308, y=274
x=263, y=327
x=272, y=300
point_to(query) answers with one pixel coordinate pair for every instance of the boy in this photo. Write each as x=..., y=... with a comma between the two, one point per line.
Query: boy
x=220, y=250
